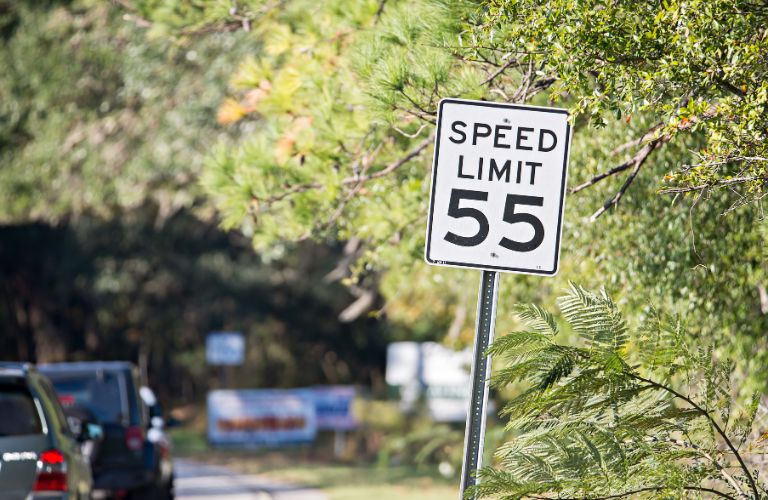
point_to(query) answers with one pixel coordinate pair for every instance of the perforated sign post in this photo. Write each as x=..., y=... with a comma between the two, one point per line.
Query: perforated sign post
x=497, y=199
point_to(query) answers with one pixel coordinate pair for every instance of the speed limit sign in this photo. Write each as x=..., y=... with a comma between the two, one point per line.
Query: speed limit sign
x=498, y=187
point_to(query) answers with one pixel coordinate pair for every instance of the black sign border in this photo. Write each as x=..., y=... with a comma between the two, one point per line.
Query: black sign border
x=490, y=104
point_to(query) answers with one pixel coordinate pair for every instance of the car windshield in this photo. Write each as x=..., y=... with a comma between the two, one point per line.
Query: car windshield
x=18, y=410
x=99, y=393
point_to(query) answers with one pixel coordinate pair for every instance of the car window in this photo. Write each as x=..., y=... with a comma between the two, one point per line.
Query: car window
x=18, y=410
x=101, y=393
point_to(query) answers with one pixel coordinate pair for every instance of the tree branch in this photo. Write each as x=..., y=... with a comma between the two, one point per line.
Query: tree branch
x=395, y=164
x=418, y=114
x=720, y=183
x=540, y=85
x=728, y=477
x=708, y=416
x=594, y=180
x=763, y=298
x=636, y=142
x=299, y=188
x=528, y=78
x=355, y=179
x=639, y=490
x=502, y=69
x=639, y=158
x=636, y=161
x=380, y=10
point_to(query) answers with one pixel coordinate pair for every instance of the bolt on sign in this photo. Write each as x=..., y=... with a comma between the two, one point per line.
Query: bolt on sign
x=498, y=187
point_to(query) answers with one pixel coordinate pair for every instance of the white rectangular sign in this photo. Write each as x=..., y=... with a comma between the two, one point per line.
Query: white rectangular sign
x=498, y=186
x=439, y=372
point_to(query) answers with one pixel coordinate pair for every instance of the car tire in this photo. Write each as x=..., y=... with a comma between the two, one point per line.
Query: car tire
x=170, y=492
x=146, y=493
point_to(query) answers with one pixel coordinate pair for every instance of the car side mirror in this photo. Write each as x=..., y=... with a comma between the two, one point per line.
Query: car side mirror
x=157, y=422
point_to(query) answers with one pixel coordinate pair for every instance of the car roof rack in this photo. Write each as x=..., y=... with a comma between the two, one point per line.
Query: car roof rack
x=16, y=368
x=87, y=366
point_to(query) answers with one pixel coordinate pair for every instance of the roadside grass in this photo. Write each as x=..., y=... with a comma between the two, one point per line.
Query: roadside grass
x=353, y=482
x=312, y=467
x=187, y=441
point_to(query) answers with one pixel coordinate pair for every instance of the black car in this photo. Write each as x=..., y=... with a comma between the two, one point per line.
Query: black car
x=129, y=462
x=39, y=455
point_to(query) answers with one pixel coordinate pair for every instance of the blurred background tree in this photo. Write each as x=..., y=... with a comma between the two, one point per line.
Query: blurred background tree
x=343, y=97
x=107, y=246
x=70, y=292
x=97, y=118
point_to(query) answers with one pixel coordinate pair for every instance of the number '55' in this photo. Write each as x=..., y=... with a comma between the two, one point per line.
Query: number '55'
x=455, y=211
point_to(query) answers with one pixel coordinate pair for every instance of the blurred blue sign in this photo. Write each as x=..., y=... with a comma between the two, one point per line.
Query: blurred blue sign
x=225, y=348
x=333, y=405
x=255, y=417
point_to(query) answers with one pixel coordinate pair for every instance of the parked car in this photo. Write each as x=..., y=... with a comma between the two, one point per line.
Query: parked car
x=39, y=455
x=131, y=462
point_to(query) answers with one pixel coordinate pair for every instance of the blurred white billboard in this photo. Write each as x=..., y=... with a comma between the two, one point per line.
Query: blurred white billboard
x=435, y=371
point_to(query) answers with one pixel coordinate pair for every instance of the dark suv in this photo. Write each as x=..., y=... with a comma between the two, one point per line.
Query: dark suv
x=129, y=462
x=39, y=456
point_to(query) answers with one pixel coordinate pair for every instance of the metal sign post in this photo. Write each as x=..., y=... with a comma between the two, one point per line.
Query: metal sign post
x=474, y=435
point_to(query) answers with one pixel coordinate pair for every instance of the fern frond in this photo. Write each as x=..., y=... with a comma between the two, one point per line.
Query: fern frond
x=544, y=366
x=595, y=318
x=662, y=343
x=537, y=318
x=515, y=344
x=588, y=423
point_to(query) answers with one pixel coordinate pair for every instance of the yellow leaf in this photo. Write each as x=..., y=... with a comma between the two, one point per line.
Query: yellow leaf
x=254, y=96
x=284, y=148
x=231, y=111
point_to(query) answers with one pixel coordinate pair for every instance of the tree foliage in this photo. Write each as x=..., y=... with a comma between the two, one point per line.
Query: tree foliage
x=96, y=117
x=599, y=419
x=693, y=71
x=326, y=158
x=108, y=249
x=337, y=110
x=326, y=134
x=695, y=66
x=128, y=289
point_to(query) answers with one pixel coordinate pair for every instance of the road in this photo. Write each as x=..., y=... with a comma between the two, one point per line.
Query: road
x=198, y=481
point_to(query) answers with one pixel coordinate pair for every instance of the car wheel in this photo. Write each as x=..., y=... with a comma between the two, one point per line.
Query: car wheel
x=146, y=493
x=170, y=492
